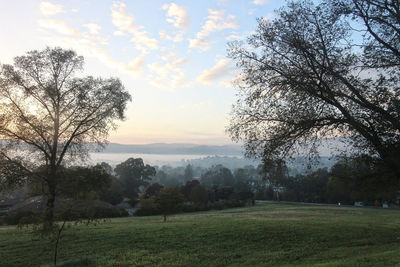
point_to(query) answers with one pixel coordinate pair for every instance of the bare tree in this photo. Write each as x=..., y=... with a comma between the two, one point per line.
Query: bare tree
x=54, y=115
x=319, y=71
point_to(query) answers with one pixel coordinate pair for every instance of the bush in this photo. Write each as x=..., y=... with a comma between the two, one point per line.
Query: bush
x=85, y=209
x=20, y=216
x=225, y=204
x=106, y=212
x=191, y=207
x=148, y=207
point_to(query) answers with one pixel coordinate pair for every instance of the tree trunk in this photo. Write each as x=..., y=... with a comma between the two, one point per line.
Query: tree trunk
x=165, y=218
x=49, y=212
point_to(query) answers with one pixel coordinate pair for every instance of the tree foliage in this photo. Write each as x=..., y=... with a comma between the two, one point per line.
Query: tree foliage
x=52, y=115
x=169, y=200
x=133, y=174
x=317, y=71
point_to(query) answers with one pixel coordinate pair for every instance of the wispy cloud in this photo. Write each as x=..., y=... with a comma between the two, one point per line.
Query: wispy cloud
x=125, y=25
x=216, y=21
x=60, y=34
x=234, y=36
x=177, y=38
x=168, y=74
x=58, y=26
x=221, y=69
x=260, y=2
x=93, y=28
x=177, y=15
x=48, y=8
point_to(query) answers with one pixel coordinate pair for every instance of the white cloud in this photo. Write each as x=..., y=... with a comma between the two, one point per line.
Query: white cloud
x=58, y=26
x=234, y=36
x=137, y=64
x=177, y=38
x=48, y=9
x=119, y=33
x=216, y=21
x=177, y=15
x=251, y=11
x=125, y=24
x=260, y=2
x=87, y=45
x=221, y=69
x=93, y=28
x=200, y=44
x=167, y=74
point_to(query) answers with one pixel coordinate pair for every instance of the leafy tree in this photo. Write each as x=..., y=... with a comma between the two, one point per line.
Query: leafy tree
x=245, y=178
x=323, y=70
x=273, y=171
x=199, y=195
x=187, y=188
x=189, y=173
x=80, y=181
x=364, y=178
x=152, y=190
x=217, y=176
x=224, y=192
x=134, y=174
x=114, y=193
x=52, y=117
x=169, y=200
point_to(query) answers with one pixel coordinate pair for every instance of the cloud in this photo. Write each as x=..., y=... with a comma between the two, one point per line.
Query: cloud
x=58, y=26
x=251, y=11
x=216, y=21
x=177, y=38
x=88, y=45
x=221, y=69
x=234, y=36
x=119, y=33
x=137, y=64
x=93, y=28
x=177, y=16
x=48, y=9
x=168, y=74
x=260, y=2
x=125, y=25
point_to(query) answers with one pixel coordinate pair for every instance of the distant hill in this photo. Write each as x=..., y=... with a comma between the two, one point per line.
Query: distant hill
x=179, y=149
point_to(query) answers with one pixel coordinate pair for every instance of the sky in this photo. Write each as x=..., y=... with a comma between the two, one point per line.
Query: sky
x=170, y=55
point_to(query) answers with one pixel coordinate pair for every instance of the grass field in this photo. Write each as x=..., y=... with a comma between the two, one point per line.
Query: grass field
x=264, y=235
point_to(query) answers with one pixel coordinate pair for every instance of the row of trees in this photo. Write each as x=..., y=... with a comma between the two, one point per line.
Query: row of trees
x=361, y=178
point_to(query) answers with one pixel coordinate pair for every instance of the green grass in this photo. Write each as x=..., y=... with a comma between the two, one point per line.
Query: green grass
x=264, y=235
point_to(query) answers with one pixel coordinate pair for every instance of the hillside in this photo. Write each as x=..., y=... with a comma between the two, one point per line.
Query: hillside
x=263, y=235
x=185, y=149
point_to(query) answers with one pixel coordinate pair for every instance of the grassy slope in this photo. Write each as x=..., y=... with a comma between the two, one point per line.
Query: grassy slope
x=264, y=235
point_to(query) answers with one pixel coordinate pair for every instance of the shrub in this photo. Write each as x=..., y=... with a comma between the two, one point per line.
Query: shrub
x=20, y=216
x=225, y=204
x=147, y=207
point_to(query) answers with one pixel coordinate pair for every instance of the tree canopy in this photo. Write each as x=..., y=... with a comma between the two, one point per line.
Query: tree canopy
x=53, y=114
x=133, y=174
x=318, y=71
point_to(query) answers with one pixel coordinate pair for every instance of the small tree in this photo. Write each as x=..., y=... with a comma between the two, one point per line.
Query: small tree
x=169, y=200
